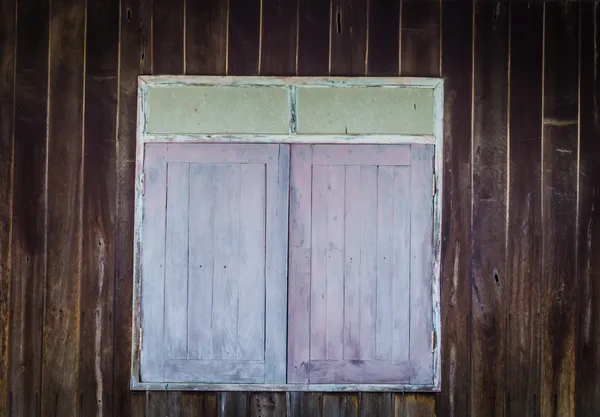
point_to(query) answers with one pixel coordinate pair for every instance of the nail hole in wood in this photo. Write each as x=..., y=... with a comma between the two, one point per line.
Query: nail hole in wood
x=496, y=278
x=339, y=22
x=128, y=14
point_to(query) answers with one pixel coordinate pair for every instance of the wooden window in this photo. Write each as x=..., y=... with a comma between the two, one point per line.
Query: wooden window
x=361, y=274
x=214, y=239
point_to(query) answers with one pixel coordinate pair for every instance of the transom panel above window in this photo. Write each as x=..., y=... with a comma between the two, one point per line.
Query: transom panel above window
x=287, y=234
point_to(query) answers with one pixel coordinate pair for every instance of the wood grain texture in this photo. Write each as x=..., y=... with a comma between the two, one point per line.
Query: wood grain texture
x=199, y=405
x=348, y=37
x=99, y=207
x=340, y=405
x=268, y=404
x=233, y=404
x=383, y=39
x=454, y=400
x=489, y=207
x=279, y=37
x=29, y=210
x=65, y=133
x=419, y=405
x=587, y=383
x=134, y=58
x=168, y=56
x=304, y=404
x=420, y=40
x=523, y=261
x=375, y=404
x=243, y=50
x=313, y=37
x=559, y=209
x=206, y=37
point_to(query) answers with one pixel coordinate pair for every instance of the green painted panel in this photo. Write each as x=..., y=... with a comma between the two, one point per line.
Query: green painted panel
x=215, y=109
x=364, y=110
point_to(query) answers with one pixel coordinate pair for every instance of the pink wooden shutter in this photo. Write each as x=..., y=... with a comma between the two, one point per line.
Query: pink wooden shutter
x=360, y=286
x=214, y=263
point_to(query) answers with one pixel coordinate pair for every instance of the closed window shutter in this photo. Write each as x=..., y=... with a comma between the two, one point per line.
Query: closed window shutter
x=214, y=263
x=361, y=222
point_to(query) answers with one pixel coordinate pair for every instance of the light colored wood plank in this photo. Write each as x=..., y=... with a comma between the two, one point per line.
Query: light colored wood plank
x=221, y=153
x=358, y=372
x=176, y=261
x=201, y=259
x=385, y=266
x=335, y=262
x=153, y=267
x=368, y=261
x=353, y=213
x=340, y=154
x=421, y=355
x=225, y=281
x=300, y=263
x=401, y=274
x=277, y=261
x=318, y=270
x=251, y=314
x=215, y=371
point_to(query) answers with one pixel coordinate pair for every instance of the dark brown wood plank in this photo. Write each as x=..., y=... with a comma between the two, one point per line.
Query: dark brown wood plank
x=454, y=399
x=244, y=37
x=29, y=209
x=199, y=405
x=268, y=404
x=384, y=38
x=61, y=318
x=7, y=84
x=135, y=58
x=587, y=383
x=99, y=207
x=304, y=404
x=376, y=404
x=523, y=261
x=167, y=37
x=278, y=39
x=419, y=405
x=156, y=404
x=559, y=208
x=206, y=37
x=488, y=241
x=420, y=38
x=313, y=37
x=340, y=405
x=348, y=34
x=233, y=404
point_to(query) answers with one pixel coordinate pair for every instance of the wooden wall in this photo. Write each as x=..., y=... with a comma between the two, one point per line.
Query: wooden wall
x=521, y=214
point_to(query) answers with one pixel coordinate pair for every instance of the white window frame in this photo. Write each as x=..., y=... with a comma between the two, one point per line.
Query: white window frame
x=290, y=83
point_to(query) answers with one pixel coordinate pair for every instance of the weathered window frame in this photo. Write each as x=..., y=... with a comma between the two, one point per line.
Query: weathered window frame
x=291, y=84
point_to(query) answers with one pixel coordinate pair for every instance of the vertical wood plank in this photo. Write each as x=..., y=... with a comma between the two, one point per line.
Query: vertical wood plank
x=559, y=208
x=419, y=405
x=226, y=267
x=457, y=32
x=199, y=405
x=304, y=404
x=373, y=404
x=203, y=185
x=168, y=27
x=340, y=405
x=383, y=38
x=587, y=383
x=420, y=39
x=134, y=58
x=243, y=50
x=156, y=404
x=421, y=268
x=279, y=37
x=177, y=260
x=489, y=207
x=206, y=37
x=335, y=262
x=348, y=37
x=99, y=206
x=233, y=404
x=272, y=404
x=524, y=211
x=251, y=321
x=299, y=265
x=173, y=404
x=61, y=317
x=313, y=37
x=28, y=256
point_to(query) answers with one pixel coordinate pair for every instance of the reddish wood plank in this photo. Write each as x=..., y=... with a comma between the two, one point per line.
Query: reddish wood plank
x=383, y=38
x=454, y=400
x=279, y=37
x=61, y=318
x=489, y=208
x=419, y=405
x=348, y=37
x=313, y=37
x=7, y=97
x=587, y=382
x=29, y=209
x=524, y=211
x=559, y=208
x=243, y=50
x=135, y=58
x=420, y=41
x=206, y=37
x=168, y=53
